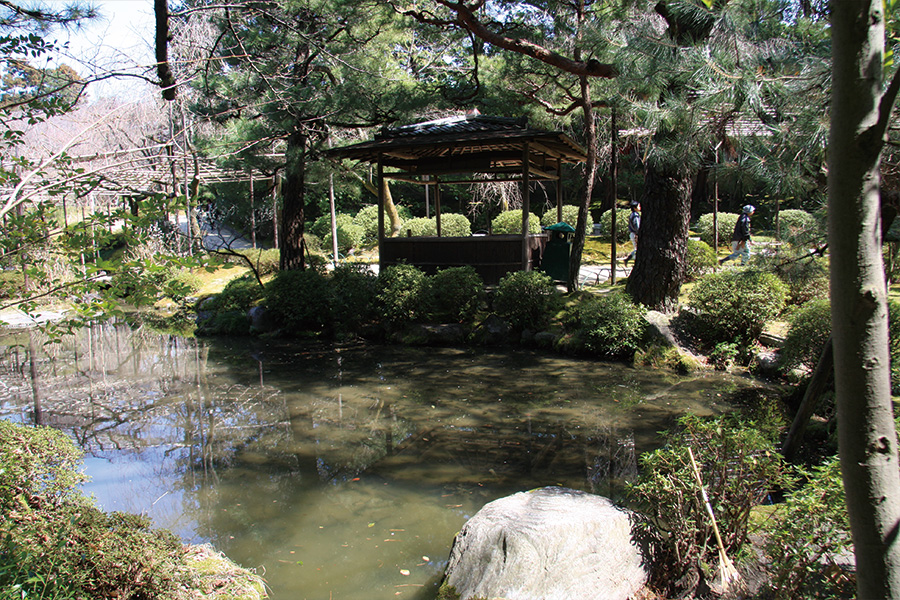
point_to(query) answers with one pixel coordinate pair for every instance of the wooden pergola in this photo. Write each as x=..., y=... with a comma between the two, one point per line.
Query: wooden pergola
x=465, y=149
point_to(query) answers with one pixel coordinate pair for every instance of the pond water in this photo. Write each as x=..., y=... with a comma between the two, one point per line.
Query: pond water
x=338, y=473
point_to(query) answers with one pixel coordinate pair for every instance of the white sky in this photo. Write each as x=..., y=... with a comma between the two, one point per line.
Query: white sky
x=121, y=39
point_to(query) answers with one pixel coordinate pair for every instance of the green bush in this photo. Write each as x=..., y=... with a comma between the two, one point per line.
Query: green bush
x=525, y=299
x=349, y=236
x=239, y=294
x=809, y=329
x=322, y=226
x=55, y=544
x=419, y=227
x=570, y=216
x=734, y=305
x=367, y=218
x=399, y=297
x=510, y=222
x=300, y=301
x=806, y=279
x=806, y=535
x=12, y=284
x=622, y=215
x=798, y=228
x=700, y=260
x=452, y=295
x=265, y=261
x=182, y=284
x=454, y=225
x=610, y=325
x=811, y=326
x=704, y=227
x=353, y=296
x=738, y=465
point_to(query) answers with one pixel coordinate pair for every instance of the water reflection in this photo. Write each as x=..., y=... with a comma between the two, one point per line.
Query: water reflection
x=337, y=471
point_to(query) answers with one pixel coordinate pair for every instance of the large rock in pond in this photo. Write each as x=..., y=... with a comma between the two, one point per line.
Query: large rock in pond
x=547, y=544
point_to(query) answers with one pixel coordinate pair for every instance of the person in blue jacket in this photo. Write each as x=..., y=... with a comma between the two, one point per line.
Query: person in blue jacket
x=634, y=225
x=740, y=240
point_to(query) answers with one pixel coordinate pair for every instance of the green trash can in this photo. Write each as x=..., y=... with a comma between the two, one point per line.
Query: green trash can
x=555, y=261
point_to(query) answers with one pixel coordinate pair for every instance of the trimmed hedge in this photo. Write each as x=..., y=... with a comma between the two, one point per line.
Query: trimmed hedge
x=726, y=222
x=510, y=222
x=570, y=216
x=734, y=305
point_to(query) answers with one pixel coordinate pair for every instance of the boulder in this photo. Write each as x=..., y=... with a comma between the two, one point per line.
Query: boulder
x=548, y=544
x=493, y=331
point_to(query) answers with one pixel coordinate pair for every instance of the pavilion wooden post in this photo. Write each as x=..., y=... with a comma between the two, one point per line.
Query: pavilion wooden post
x=437, y=205
x=380, y=176
x=526, y=204
x=559, y=194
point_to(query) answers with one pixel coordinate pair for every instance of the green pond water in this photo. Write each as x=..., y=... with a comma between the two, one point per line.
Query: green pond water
x=339, y=473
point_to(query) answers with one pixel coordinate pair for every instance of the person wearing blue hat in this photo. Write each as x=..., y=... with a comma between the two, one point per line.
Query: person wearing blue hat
x=634, y=226
x=740, y=240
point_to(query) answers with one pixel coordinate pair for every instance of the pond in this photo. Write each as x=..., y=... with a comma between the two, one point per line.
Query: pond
x=339, y=473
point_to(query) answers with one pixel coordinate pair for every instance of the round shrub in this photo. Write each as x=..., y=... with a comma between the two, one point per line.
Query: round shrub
x=700, y=260
x=798, y=227
x=399, y=295
x=809, y=330
x=182, y=284
x=811, y=326
x=525, y=298
x=353, y=296
x=806, y=279
x=570, y=216
x=266, y=262
x=349, y=236
x=452, y=295
x=300, y=301
x=12, y=284
x=510, y=222
x=419, y=227
x=367, y=218
x=454, y=225
x=735, y=304
x=238, y=294
x=621, y=225
x=609, y=325
x=322, y=226
x=704, y=227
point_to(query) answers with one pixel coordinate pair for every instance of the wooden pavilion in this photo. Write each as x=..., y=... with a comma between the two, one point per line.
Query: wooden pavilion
x=466, y=149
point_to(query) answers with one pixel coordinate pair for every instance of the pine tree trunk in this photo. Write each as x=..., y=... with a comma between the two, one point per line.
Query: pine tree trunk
x=658, y=270
x=866, y=434
x=293, y=198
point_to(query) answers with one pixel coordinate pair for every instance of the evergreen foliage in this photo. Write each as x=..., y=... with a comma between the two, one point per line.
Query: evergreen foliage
x=726, y=222
x=570, y=216
x=354, y=289
x=621, y=225
x=300, y=301
x=55, y=544
x=739, y=466
x=734, y=305
x=700, y=260
x=399, y=296
x=610, y=325
x=510, y=222
x=525, y=298
x=799, y=228
x=452, y=295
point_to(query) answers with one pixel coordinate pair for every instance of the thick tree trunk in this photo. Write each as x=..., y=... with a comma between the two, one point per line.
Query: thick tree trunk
x=866, y=432
x=293, y=197
x=658, y=270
